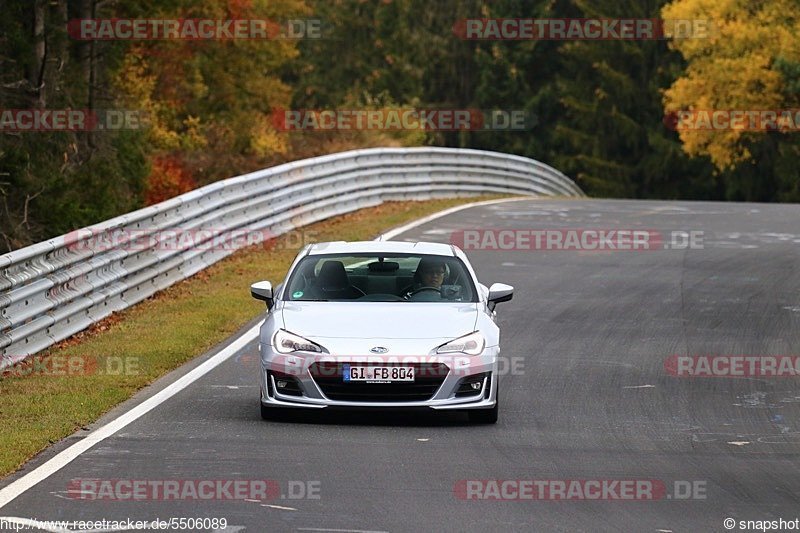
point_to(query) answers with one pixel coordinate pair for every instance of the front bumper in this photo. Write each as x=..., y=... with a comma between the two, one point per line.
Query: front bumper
x=295, y=382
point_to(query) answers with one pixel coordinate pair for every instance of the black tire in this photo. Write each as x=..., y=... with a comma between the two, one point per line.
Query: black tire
x=485, y=416
x=268, y=413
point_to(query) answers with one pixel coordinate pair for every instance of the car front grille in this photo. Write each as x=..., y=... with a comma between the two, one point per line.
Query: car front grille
x=428, y=377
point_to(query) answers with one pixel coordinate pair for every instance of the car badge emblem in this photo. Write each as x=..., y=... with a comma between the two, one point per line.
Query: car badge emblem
x=379, y=349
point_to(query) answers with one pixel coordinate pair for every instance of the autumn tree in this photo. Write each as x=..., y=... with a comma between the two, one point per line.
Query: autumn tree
x=749, y=61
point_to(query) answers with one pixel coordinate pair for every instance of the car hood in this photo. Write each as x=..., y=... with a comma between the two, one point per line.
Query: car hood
x=379, y=320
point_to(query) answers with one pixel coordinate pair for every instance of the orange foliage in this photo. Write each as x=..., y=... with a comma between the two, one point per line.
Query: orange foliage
x=240, y=9
x=167, y=178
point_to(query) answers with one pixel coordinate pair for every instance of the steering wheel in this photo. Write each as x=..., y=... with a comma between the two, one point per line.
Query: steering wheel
x=421, y=289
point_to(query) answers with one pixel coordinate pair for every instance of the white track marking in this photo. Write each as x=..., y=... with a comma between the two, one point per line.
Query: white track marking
x=279, y=507
x=58, y=462
x=402, y=229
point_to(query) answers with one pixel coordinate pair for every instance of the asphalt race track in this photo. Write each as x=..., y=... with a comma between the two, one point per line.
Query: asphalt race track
x=586, y=396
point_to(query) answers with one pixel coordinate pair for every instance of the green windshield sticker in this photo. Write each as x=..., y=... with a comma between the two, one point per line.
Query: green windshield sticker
x=297, y=294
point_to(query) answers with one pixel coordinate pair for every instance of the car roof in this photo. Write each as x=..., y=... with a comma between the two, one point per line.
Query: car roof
x=376, y=247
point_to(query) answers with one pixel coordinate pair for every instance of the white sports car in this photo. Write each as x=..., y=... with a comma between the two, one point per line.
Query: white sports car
x=381, y=324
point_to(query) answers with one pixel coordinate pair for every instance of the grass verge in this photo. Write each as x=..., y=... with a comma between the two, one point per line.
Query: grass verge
x=74, y=383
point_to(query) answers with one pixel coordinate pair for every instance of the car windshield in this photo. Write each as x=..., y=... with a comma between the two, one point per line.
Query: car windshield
x=381, y=278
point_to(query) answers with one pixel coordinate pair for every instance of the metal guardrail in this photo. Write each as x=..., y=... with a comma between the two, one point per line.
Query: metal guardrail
x=54, y=289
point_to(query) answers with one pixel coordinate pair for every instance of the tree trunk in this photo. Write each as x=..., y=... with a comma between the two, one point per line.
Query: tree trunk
x=36, y=70
x=87, y=53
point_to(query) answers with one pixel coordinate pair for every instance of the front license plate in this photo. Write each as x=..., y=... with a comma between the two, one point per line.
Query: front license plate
x=378, y=374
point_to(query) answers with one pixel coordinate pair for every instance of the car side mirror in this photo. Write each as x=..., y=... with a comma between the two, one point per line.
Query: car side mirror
x=262, y=290
x=499, y=292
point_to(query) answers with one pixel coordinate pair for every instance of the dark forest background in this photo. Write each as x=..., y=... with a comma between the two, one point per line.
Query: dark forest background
x=599, y=105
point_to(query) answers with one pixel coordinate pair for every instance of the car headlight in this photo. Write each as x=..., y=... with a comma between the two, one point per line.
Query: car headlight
x=472, y=344
x=285, y=342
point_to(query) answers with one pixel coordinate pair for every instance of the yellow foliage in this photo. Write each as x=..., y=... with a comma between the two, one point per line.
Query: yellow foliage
x=138, y=86
x=733, y=68
x=265, y=141
x=193, y=90
x=193, y=137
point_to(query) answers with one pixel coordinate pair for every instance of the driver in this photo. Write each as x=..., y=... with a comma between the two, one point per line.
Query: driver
x=430, y=273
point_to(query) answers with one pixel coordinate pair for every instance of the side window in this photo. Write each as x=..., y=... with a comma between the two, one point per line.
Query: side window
x=318, y=266
x=302, y=281
x=452, y=287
